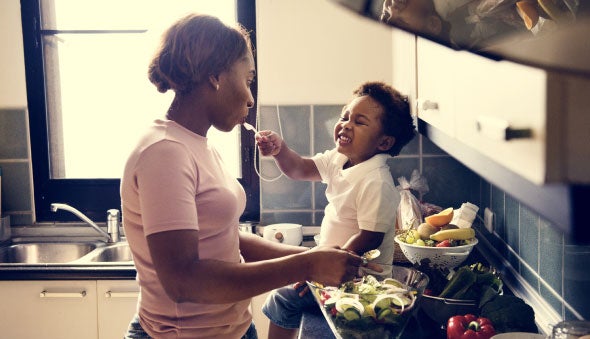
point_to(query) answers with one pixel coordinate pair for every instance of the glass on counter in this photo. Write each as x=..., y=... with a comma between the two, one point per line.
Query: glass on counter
x=573, y=329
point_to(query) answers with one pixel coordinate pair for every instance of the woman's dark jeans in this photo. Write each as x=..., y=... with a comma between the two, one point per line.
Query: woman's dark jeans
x=135, y=331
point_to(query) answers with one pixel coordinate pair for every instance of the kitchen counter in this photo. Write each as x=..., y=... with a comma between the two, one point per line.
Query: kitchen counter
x=46, y=272
x=313, y=325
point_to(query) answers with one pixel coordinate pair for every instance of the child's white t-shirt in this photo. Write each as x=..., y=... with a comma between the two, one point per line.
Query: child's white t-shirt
x=362, y=197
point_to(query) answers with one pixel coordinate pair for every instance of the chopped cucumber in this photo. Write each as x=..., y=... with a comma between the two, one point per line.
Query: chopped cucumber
x=391, y=281
x=344, y=304
x=401, y=300
x=384, y=313
x=351, y=314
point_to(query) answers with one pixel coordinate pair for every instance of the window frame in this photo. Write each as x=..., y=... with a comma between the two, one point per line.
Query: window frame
x=94, y=197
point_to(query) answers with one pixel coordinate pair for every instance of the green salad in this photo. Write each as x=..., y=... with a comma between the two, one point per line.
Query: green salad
x=362, y=303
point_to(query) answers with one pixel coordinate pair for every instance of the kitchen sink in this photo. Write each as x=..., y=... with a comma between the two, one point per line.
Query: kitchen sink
x=44, y=252
x=77, y=251
x=112, y=253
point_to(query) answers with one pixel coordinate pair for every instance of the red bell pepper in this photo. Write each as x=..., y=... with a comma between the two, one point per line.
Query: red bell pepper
x=469, y=327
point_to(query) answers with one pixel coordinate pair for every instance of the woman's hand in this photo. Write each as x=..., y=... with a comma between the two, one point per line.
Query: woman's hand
x=269, y=143
x=332, y=266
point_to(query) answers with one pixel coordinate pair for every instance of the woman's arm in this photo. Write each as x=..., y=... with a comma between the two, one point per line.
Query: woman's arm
x=187, y=278
x=256, y=248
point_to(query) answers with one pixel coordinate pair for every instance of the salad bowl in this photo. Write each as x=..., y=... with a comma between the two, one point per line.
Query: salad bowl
x=371, y=307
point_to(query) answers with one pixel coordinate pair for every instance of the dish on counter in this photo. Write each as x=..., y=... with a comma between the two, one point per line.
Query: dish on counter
x=368, y=307
x=441, y=309
x=519, y=335
x=439, y=257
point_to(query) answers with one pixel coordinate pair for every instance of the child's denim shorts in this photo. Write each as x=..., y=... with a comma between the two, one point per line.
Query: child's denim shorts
x=284, y=307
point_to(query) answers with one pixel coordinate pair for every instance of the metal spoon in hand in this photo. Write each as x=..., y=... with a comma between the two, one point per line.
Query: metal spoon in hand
x=370, y=255
x=249, y=127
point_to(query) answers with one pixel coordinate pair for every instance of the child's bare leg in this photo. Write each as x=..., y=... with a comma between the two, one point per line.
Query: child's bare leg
x=277, y=332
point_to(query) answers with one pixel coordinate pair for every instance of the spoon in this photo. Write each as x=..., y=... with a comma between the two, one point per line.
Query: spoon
x=370, y=255
x=249, y=127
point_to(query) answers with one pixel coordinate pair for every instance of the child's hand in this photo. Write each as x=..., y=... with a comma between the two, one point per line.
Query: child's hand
x=269, y=143
x=302, y=287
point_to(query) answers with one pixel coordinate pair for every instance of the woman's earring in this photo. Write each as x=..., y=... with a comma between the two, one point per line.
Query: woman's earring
x=217, y=87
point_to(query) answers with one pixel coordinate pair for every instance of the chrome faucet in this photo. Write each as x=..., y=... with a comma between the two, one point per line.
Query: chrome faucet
x=112, y=234
x=113, y=225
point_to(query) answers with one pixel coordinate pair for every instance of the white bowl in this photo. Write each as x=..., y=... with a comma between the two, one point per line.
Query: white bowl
x=440, y=257
x=518, y=335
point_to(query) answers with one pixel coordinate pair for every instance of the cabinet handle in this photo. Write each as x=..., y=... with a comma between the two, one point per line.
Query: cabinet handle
x=428, y=105
x=47, y=294
x=111, y=294
x=499, y=129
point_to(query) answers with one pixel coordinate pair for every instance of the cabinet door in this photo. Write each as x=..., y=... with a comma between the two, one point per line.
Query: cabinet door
x=48, y=309
x=404, y=64
x=117, y=303
x=436, y=93
x=500, y=111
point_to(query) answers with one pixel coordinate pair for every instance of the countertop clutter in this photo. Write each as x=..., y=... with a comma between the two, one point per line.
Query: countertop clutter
x=421, y=324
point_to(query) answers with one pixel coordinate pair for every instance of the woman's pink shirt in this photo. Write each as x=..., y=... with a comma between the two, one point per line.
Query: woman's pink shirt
x=175, y=180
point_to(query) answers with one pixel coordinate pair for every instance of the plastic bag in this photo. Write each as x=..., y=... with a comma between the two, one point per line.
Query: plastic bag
x=409, y=213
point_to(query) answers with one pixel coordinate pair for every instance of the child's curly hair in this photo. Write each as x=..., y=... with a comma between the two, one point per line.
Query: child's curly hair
x=397, y=119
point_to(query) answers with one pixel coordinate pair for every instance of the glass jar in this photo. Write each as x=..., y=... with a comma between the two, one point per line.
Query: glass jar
x=573, y=329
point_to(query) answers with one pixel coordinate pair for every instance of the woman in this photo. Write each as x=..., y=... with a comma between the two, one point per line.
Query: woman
x=181, y=207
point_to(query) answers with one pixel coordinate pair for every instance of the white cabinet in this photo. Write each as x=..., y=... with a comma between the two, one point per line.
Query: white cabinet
x=495, y=101
x=532, y=122
x=117, y=303
x=404, y=63
x=86, y=309
x=48, y=309
x=436, y=93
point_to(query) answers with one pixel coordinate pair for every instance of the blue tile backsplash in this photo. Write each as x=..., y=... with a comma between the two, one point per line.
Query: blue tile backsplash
x=554, y=267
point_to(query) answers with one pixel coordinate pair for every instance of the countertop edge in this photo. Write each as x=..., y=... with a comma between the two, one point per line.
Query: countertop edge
x=67, y=273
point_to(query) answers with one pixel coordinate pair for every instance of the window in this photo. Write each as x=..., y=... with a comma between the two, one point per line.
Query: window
x=89, y=96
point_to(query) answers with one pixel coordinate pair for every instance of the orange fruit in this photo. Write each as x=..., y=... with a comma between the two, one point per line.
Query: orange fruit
x=441, y=218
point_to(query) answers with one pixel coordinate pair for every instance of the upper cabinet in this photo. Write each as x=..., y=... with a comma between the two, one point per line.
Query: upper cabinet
x=528, y=120
x=500, y=110
x=435, y=85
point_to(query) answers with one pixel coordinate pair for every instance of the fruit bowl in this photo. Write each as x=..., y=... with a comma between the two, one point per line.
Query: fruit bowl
x=370, y=307
x=439, y=257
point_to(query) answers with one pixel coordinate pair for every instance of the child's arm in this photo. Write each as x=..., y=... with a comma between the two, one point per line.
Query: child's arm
x=364, y=241
x=292, y=164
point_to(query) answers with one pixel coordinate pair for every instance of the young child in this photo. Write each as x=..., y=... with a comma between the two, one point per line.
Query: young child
x=361, y=194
